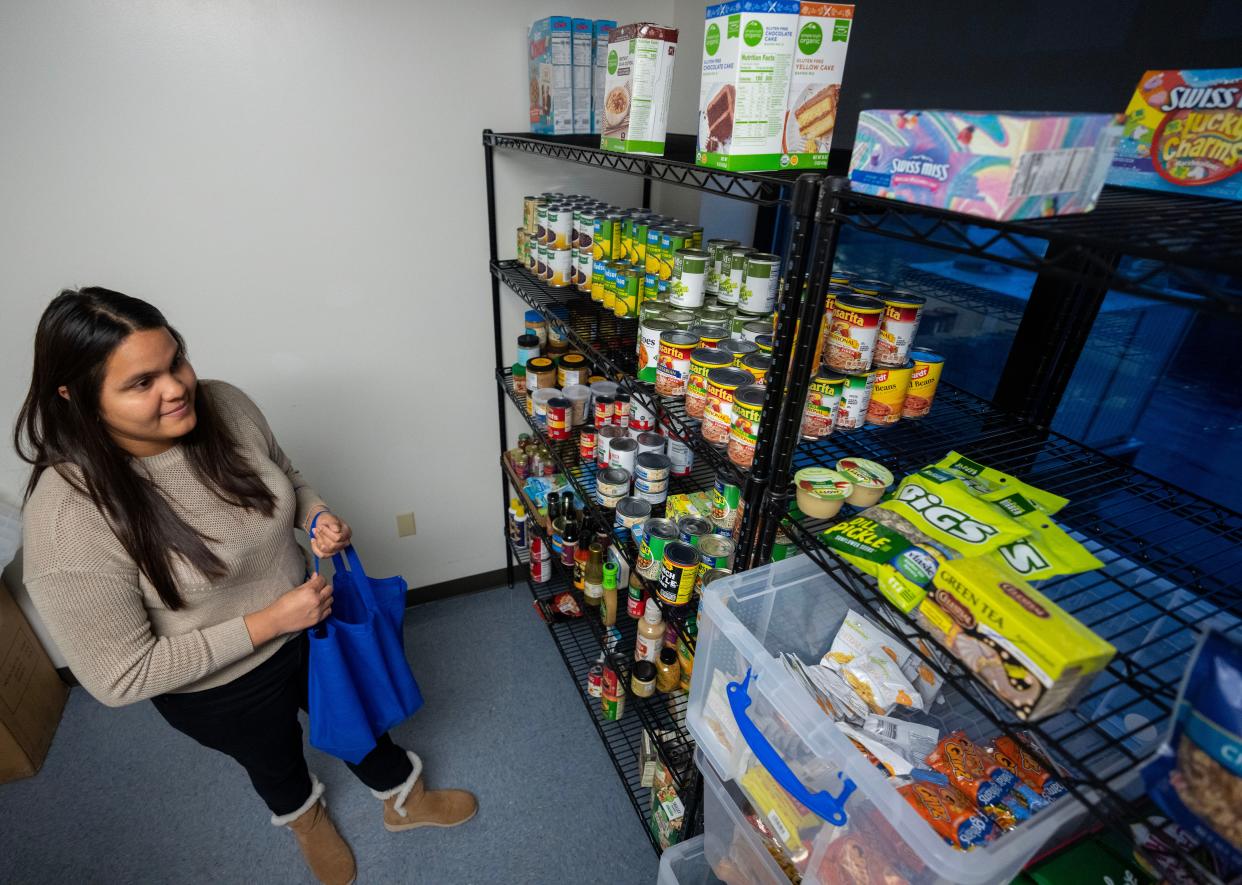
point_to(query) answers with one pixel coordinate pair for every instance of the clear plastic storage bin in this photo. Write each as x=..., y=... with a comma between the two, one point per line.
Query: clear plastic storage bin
x=746, y=622
x=685, y=864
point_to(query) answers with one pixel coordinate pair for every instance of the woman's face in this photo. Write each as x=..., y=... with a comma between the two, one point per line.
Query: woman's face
x=147, y=398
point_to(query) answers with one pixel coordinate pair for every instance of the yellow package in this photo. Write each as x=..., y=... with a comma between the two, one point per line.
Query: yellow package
x=692, y=504
x=1033, y=655
x=888, y=547
x=991, y=484
x=778, y=809
x=942, y=507
x=1047, y=551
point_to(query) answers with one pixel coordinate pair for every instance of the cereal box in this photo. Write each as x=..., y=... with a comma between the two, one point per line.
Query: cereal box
x=600, y=32
x=550, y=46
x=994, y=165
x=582, y=73
x=638, y=87
x=748, y=52
x=815, y=82
x=1183, y=133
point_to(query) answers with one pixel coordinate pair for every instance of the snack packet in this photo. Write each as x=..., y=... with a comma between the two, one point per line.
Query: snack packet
x=991, y=485
x=851, y=860
x=561, y=607
x=945, y=509
x=971, y=770
x=893, y=757
x=888, y=547
x=949, y=812
x=1034, y=777
x=912, y=740
x=830, y=682
x=1196, y=775
x=1047, y=551
x=869, y=660
x=857, y=634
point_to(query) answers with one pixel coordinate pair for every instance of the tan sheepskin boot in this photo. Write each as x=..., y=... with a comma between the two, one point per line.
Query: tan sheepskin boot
x=326, y=853
x=412, y=805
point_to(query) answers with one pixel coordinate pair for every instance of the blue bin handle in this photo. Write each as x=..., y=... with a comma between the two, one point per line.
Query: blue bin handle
x=831, y=808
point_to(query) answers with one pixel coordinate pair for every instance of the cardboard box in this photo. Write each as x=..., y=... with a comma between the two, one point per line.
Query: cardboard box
x=995, y=165
x=551, y=76
x=583, y=57
x=32, y=695
x=638, y=88
x=1183, y=133
x=600, y=34
x=815, y=82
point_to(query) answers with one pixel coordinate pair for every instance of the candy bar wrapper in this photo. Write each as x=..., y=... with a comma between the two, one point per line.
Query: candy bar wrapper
x=950, y=812
x=1043, y=787
x=971, y=770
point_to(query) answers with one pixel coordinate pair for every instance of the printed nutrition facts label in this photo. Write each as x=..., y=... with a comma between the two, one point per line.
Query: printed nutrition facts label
x=1051, y=172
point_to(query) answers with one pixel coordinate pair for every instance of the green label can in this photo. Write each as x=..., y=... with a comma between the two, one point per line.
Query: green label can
x=689, y=279
x=718, y=249
x=649, y=332
x=642, y=227
x=670, y=242
x=726, y=501
x=627, y=239
x=585, y=269
x=607, y=237
x=731, y=284
x=651, y=261
x=657, y=532
x=541, y=223
x=696, y=236
x=760, y=279
x=626, y=303
x=610, y=285
x=597, y=279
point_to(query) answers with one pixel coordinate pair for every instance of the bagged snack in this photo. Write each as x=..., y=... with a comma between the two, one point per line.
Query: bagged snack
x=991, y=485
x=891, y=549
x=1047, y=551
x=1033, y=655
x=943, y=507
x=971, y=770
x=851, y=860
x=1196, y=775
x=870, y=660
x=851, y=706
x=889, y=757
x=912, y=740
x=784, y=815
x=857, y=634
x=949, y=812
x=1034, y=776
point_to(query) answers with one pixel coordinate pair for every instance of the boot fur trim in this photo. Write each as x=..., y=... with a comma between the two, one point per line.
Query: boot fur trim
x=284, y=820
x=402, y=790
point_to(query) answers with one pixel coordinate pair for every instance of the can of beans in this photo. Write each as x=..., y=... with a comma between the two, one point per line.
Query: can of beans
x=604, y=436
x=726, y=503
x=761, y=277
x=731, y=285
x=623, y=452
x=673, y=370
x=606, y=238
x=650, y=442
x=718, y=250
x=621, y=410
x=572, y=369
x=691, y=528
x=541, y=260
x=855, y=397
x=561, y=225
x=586, y=443
x=738, y=350
x=764, y=343
x=631, y=514
x=902, y=312
x=689, y=280
x=649, y=332
x=586, y=230
x=889, y=387
x=611, y=486
x=709, y=335
x=758, y=365
x=677, y=573
x=744, y=434
x=604, y=407
x=855, y=329
x=825, y=324
x=722, y=384
x=598, y=280
x=680, y=453
x=820, y=415
x=586, y=267
x=657, y=533
x=924, y=379
x=532, y=253
x=541, y=222
x=752, y=329
x=716, y=551
x=702, y=361
x=559, y=412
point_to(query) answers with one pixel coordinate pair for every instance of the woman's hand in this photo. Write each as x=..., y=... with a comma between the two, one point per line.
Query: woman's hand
x=302, y=607
x=331, y=535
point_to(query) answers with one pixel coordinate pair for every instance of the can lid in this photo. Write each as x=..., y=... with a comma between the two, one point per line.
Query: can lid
x=621, y=443
x=680, y=553
x=573, y=358
x=539, y=363
x=528, y=341
x=697, y=254
x=869, y=287
x=902, y=298
x=926, y=355
x=738, y=345
x=751, y=394
x=757, y=360
x=534, y=316
x=730, y=376
x=654, y=460
x=861, y=302
x=764, y=257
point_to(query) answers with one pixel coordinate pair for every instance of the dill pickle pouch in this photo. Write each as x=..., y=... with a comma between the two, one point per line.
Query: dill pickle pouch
x=943, y=507
x=991, y=484
x=880, y=543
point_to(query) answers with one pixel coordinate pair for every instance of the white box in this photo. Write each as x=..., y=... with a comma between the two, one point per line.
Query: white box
x=600, y=34
x=638, y=88
x=815, y=84
x=582, y=72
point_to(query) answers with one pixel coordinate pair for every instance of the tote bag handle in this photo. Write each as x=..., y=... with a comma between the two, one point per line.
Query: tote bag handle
x=357, y=575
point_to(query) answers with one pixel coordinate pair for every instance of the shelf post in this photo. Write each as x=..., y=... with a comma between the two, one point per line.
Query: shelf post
x=493, y=252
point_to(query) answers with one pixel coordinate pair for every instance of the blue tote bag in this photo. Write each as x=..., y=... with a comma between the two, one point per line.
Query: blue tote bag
x=360, y=683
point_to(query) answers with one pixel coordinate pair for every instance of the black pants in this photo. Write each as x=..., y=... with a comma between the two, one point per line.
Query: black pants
x=254, y=719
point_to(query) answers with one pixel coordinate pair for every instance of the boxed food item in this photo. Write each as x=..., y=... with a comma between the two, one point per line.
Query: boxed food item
x=583, y=72
x=601, y=30
x=1183, y=133
x=638, y=88
x=551, y=76
x=32, y=695
x=815, y=82
x=995, y=165
x=748, y=50
x=667, y=811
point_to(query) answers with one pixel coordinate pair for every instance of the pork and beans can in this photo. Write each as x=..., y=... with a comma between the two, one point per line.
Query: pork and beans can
x=888, y=393
x=702, y=361
x=855, y=397
x=689, y=280
x=758, y=365
x=673, y=370
x=657, y=533
x=902, y=312
x=924, y=378
x=761, y=276
x=722, y=384
x=718, y=250
x=855, y=329
x=744, y=435
x=820, y=415
x=602, y=409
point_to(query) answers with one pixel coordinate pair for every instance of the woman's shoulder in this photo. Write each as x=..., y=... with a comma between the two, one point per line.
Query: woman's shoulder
x=62, y=528
x=234, y=406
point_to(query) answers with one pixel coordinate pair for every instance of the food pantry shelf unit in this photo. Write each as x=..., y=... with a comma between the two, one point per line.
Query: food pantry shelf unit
x=1171, y=566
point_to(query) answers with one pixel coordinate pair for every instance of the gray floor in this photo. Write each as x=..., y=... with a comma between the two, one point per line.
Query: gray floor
x=122, y=798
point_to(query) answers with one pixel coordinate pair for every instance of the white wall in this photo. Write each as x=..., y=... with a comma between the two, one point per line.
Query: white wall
x=298, y=185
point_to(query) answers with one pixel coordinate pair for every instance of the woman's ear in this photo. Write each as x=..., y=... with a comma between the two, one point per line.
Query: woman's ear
x=63, y=391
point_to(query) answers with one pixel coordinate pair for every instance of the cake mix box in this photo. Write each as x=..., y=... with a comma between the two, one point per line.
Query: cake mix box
x=994, y=165
x=551, y=76
x=748, y=55
x=583, y=72
x=1183, y=133
x=638, y=88
x=815, y=82
x=600, y=32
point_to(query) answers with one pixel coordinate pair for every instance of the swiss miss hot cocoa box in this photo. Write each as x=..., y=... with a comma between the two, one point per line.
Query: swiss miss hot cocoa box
x=1183, y=133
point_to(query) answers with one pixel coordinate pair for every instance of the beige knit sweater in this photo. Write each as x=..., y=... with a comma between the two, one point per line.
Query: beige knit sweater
x=119, y=639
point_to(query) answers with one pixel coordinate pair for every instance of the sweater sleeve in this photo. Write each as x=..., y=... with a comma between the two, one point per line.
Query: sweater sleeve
x=100, y=624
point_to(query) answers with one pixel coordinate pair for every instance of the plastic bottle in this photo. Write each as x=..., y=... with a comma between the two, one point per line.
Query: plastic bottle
x=608, y=608
x=593, y=578
x=668, y=671
x=517, y=523
x=582, y=554
x=650, y=634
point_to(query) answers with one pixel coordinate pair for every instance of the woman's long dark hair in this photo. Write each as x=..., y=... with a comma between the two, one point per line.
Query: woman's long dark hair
x=76, y=335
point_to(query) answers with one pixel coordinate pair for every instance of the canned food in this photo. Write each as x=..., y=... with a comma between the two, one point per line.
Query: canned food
x=558, y=319
x=541, y=222
x=731, y=286
x=764, y=343
x=738, y=350
x=702, y=361
x=623, y=452
x=572, y=369
x=627, y=239
x=584, y=227
x=606, y=242
x=868, y=287
x=621, y=410
x=717, y=249
x=541, y=261
x=560, y=225
x=677, y=573
x=651, y=261
x=716, y=315
x=651, y=443
x=530, y=212
x=752, y=329
x=692, y=528
x=696, y=235
x=726, y=503
x=716, y=552
x=657, y=533
x=521, y=241
x=655, y=496
x=855, y=329
x=605, y=434
x=888, y=393
x=715, y=574
x=825, y=324
x=539, y=403
x=744, y=434
x=642, y=226
x=610, y=285
x=898, y=325
x=586, y=443
x=651, y=487
x=761, y=277
x=641, y=419
x=722, y=384
x=649, y=332
x=598, y=279
x=709, y=335
x=586, y=267
x=673, y=370
x=604, y=407
x=924, y=379
x=532, y=252
x=855, y=397
x=559, y=416
x=758, y=365
x=627, y=291
x=652, y=466
x=672, y=240
x=631, y=514
x=819, y=417
x=680, y=453
x=689, y=278
x=611, y=486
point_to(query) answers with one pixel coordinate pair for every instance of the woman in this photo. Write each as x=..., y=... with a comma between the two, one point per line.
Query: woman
x=159, y=549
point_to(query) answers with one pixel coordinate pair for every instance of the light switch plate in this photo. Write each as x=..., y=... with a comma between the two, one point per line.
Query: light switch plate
x=405, y=525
